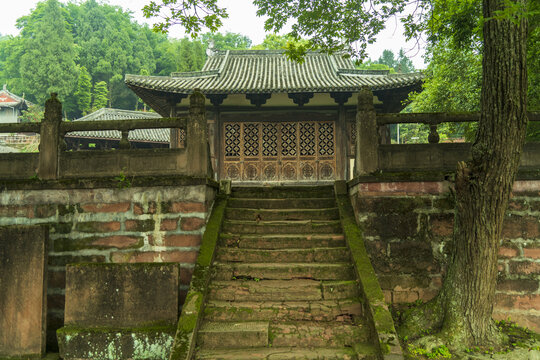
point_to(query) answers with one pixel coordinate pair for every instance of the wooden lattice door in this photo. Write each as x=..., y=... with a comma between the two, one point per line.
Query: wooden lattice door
x=284, y=151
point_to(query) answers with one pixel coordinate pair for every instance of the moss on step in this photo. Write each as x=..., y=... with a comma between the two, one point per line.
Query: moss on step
x=193, y=309
x=377, y=309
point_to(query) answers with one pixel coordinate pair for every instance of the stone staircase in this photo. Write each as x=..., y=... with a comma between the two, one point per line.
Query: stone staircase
x=284, y=286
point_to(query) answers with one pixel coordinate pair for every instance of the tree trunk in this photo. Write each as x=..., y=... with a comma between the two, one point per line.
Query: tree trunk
x=484, y=184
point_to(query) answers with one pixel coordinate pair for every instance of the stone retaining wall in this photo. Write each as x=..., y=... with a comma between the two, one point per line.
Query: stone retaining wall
x=407, y=226
x=139, y=224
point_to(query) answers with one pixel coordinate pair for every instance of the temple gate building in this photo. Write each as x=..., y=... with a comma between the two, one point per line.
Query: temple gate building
x=273, y=119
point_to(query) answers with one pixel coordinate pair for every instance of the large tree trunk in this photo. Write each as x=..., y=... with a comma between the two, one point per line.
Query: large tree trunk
x=484, y=184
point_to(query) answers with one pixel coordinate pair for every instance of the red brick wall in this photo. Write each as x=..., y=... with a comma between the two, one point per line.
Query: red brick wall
x=154, y=224
x=408, y=224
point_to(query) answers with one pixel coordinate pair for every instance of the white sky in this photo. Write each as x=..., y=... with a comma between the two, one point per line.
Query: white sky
x=242, y=19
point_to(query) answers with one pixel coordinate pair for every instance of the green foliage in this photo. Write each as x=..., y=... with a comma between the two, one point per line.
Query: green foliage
x=100, y=96
x=331, y=25
x=454, y=73
x=187, y=14
x=57, y=39
x=34, y=113
x=273, y=42
x=295, y=49
x=388, y=61
x=227, y=41
x=190, y=55
x=110, y=45
x=84, y=91
x=48, y=56
x=370, y=65
x=440, y=352
x=123, y=181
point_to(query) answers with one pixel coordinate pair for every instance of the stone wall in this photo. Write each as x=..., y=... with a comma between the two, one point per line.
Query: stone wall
x=111, y=225
x=407, y=226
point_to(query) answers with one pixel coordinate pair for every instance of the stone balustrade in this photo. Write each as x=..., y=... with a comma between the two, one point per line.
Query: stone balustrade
x=54, y=162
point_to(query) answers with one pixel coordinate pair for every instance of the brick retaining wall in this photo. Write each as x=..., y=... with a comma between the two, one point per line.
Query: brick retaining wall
x=139, y=224
x=408, y=224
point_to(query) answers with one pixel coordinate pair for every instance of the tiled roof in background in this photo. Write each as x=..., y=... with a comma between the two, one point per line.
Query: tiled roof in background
x=147, y=135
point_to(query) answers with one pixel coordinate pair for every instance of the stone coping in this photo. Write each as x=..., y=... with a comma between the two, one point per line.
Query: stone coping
x=193, y=309
x=382, y=325
x=105, y=182
x=428, y=176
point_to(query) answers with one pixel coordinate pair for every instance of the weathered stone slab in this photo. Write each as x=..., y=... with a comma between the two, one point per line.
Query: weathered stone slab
x=115, y=344
x=23, y=284
x=119, y=311
x=121, y=295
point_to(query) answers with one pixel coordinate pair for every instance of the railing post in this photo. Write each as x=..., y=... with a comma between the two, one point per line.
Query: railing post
x=367, y=137
x=197, y=136
x=49, y=145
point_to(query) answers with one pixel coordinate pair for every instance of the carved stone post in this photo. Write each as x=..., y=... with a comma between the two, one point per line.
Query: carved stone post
x=50, y=139
x=197, y=136
x=367, y=137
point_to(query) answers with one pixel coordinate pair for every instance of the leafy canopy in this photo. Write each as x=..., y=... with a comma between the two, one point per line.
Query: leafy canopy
x=192, y=15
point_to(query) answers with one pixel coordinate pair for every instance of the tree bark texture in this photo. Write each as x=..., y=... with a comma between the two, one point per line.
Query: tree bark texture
x=484, y=184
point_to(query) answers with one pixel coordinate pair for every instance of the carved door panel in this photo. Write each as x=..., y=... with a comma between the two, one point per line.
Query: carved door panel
x=287, y=151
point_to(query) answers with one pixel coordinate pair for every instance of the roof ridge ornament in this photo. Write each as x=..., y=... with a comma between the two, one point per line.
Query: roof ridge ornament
x=210, y=50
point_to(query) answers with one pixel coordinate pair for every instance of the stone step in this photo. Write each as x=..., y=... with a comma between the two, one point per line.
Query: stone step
x=301, y=203
x=281, y=214
x=265, y=290
x=277, y=241
x=306, y=334
x=346, y=310
x=233, y=335
x=274, y=353
x=282, y=290
x=282, y=192
x=282, y=227
x=316, y=334
x=273, y=271
x=318, y=255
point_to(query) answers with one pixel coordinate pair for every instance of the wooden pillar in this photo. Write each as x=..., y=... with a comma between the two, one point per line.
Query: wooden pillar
x=197, y=137
x=367, y=139
x=341, y=134
x=218, y=129
x=50, y=139
x=217, y=100
x=341, y=144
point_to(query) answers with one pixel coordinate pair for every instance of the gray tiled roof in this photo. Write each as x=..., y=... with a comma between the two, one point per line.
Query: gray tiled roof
x=269, y=71
x=149, y=135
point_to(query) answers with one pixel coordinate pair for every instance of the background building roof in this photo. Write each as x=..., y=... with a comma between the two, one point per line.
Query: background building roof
x=8, y=99
x=146, y=135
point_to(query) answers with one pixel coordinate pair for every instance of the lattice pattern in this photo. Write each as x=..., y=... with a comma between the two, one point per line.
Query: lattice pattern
x=352, y=144
x=181, y=138
x=271, y=151
x=288, y=139
x=307, y=139
x=270, y=140
x=326, y=139
x=232, y=139
x=251, y=139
